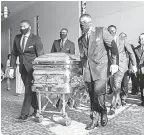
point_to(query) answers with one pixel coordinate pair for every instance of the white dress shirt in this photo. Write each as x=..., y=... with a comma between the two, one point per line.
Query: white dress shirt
x=26, y=38
x=62, y=42
x=115, y=38
x=87, y=35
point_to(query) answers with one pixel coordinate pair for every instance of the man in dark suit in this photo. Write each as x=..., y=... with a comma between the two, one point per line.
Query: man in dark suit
x=134, y=76
x=139, y=51
x=63, y=44
x=27, y=46
x=93, y=54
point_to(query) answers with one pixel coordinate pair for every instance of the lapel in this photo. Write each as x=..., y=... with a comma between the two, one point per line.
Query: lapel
x=84, y=44
x=141, y=55
x=58, y=46
x=29, y=41
x=65, y=44
x=84, y=41
x=92, y=38
x=63, y=49
x=19, y=43
x=137, y=51
x=117, y=40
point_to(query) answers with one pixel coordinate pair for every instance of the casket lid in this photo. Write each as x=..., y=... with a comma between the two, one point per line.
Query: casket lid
x=58, y=57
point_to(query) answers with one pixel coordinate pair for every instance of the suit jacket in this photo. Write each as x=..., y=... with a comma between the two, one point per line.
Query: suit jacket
x=124, y=49
x=140, y=58
x=33, y=49
x=69, y=47
x=94, y=56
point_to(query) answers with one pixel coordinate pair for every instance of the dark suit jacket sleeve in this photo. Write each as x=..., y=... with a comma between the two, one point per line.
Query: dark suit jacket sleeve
x=137, y=54
x=108, y=39
x=39, y=47
x=14, y=54
x=72, y=48
x=130, y=52
x=53, y=47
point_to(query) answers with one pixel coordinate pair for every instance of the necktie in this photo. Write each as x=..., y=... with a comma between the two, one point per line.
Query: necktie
x=62, y=44
x=87, y=39
x=23, y=43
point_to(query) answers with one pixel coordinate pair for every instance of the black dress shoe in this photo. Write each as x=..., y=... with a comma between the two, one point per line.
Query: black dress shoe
x=104, y=119
x=22, y=118
x=92, y=125
x=109, y=91
x=34, y=114
x=18, y=118
x=142, y=103
x=134, y=93
x=111, y=112
x=123, y=103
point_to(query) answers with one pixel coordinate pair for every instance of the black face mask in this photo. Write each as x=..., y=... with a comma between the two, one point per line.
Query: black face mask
x=24, y=31
x=63, y=36
x=85, y=27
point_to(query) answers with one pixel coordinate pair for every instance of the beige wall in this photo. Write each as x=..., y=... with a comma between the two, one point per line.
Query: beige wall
x=127, y=16
x=53, y=16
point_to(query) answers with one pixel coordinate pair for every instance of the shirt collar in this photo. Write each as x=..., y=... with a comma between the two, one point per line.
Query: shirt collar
x=27, y=35
x=64, y=39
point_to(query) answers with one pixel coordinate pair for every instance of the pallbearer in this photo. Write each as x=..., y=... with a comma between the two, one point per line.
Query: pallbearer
x=95, y=66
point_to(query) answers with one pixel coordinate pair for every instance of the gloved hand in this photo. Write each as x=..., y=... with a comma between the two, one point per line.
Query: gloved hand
x=11, y=73
x=113, y=69
x=134, y=69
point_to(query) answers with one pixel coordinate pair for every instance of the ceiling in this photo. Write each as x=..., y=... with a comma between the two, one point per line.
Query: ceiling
x=15, y=6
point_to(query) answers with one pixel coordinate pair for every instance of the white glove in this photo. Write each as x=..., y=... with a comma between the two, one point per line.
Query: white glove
x=113, y=69
x=134, y=69
x=11, y=73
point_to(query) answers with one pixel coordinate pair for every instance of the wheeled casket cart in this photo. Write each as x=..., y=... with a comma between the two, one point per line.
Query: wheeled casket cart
x=56, y=73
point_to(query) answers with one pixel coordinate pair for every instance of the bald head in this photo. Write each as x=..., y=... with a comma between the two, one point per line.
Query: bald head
x=85, y=18
x=123, y=35
x=85, y=22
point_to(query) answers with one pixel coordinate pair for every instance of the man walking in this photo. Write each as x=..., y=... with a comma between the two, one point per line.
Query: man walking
x=27, y=46
x=139, y=50
x=95, y=66
x=123, y=46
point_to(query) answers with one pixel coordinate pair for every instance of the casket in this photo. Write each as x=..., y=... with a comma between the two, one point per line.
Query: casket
x=56, y=72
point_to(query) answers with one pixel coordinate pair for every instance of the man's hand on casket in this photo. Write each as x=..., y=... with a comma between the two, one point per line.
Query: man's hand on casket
x=134, y=68
x=113, y=69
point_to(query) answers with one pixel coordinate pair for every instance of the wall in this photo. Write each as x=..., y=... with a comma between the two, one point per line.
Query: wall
x=127, y=16
x=53, y=16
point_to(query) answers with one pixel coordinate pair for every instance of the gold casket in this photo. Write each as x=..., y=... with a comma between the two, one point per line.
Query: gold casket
x=57, y=73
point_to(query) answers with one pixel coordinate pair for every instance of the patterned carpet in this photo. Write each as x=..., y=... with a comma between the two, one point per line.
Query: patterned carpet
x=129, y=120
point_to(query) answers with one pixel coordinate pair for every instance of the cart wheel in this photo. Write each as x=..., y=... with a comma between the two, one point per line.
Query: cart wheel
x=39, y=118
x=67, y=121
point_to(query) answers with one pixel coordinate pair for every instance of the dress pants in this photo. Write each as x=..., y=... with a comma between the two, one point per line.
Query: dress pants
x=141, y=82
x=97, y=99
x=116, y=87
x=30, y=98
x=124, y=86
x=135, y=83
